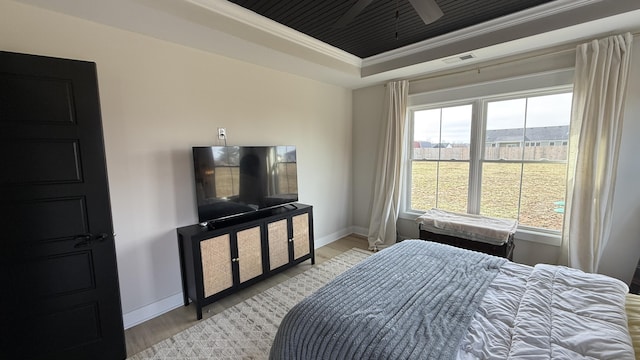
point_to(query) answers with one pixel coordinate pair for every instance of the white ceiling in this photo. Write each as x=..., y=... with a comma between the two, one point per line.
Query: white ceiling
x=221, y=27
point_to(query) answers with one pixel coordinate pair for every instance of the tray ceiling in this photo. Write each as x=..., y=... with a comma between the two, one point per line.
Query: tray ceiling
x=231, y=30
x=373, y=31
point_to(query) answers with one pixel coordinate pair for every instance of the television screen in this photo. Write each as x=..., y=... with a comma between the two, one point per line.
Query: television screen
x=232, y=180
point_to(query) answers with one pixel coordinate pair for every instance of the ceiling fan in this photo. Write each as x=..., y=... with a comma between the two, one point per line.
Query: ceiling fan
x=428, y=10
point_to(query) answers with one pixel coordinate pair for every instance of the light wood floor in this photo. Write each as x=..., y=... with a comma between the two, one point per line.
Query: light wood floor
x=157, y=329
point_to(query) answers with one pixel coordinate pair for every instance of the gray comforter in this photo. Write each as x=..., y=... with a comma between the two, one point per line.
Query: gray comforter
x=413, y=300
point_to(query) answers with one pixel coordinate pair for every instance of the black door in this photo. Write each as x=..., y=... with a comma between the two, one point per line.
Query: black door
x=59, y=289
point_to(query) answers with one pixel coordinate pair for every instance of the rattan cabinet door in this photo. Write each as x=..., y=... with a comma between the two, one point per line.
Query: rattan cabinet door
x=300, y=235
x=278, y=243
x=217, y=273
x=249, y=253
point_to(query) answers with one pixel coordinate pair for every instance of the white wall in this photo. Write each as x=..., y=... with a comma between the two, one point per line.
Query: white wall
x=158, y=99
x=367, y=123
x=620, y=257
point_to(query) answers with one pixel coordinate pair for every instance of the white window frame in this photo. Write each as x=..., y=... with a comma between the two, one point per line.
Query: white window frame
x=479, y=95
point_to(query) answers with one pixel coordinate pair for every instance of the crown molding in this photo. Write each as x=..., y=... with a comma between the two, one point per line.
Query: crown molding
x=249, y=18
x=256, y=21
x=224, y=28
x=528, y=15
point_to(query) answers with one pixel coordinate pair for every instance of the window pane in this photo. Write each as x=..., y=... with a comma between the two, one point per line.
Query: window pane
x=456, y=133
x=453, y=186
x=442, y=133
x=505, y=129
x=440, y=184
x=500, y=190
x=426, y=133
x=548, y=127
x=543, y=191
x=424, y=183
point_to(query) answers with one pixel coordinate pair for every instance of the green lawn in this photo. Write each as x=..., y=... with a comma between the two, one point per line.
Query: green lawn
x=542, y=186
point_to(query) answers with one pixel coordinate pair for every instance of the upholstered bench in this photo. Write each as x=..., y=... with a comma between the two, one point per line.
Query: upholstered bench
x=489, y=235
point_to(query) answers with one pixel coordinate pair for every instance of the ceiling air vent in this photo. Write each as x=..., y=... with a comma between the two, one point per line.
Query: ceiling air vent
x=459, y=58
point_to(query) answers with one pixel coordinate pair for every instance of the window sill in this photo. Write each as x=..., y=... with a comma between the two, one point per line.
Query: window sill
x=539, y=237
x=552, y=239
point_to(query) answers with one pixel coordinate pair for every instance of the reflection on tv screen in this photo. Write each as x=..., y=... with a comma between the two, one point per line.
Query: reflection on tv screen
x=232, y=180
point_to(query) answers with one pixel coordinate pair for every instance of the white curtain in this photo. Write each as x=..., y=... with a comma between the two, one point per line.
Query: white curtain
x=600, y=83
x=386, y=196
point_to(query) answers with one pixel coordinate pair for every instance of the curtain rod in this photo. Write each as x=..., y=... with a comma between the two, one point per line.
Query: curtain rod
x=480, y=67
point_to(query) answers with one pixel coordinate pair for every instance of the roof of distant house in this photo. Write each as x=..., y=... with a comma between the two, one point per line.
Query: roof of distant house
x=544, y=133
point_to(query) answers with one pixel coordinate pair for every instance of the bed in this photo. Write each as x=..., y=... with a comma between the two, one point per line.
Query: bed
x=424, y=300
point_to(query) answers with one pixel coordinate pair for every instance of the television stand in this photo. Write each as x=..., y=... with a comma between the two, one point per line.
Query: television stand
x=220, y=259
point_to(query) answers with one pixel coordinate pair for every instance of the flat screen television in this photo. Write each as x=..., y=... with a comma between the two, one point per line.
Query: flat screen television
x=234, y=180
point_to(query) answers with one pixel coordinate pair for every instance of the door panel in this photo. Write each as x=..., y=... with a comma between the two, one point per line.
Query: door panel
x=56, y=275
x=249, y=253
x=278, y=236
x=67, y=218
x=217, y=272
x=49, y=161
x=69, y=326
x=60, y=296
x=300, y=235
x=54, y=98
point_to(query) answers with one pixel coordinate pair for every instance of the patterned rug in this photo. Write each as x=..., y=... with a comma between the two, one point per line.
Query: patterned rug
x=246, y=330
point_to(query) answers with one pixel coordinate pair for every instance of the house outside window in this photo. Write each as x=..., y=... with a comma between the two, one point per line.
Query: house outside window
x=499, y=162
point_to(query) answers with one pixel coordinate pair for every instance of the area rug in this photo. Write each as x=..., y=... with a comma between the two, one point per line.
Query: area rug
x=246, y=330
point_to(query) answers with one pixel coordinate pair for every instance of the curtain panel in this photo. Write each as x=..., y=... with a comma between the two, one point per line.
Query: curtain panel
x=601, y=76
x=387, y=188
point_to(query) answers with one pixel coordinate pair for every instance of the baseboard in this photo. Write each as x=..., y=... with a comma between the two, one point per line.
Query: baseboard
x=158, y=308
x=328, y=239
x=362, y=231
x=152, y=310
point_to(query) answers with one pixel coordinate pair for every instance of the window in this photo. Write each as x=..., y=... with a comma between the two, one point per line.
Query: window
x=501, y=161
x=440, y=174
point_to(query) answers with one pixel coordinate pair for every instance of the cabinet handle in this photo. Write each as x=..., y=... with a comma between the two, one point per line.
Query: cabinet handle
x=290, y=240
x=235, y=260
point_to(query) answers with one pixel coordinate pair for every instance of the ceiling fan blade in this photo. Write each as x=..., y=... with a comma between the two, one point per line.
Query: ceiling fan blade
x=352, y=13
x=428, y=10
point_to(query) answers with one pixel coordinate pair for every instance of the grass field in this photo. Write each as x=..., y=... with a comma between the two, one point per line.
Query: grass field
x=542, y=186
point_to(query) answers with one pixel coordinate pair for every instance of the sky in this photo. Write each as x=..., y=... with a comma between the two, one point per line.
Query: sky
x=548, y=110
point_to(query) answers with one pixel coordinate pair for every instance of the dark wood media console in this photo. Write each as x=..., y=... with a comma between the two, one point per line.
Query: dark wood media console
x=218, y=260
